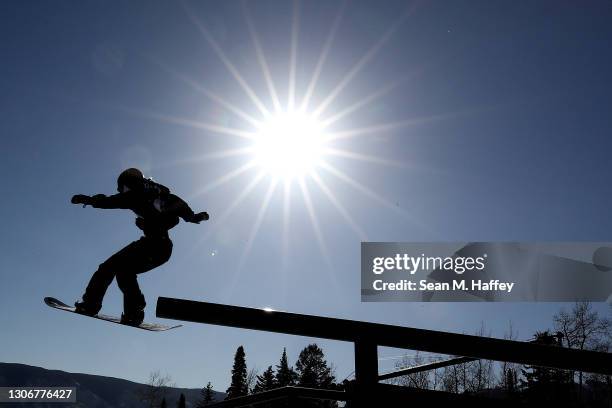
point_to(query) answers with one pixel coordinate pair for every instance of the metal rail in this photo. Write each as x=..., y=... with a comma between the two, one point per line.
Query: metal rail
x=367, y=336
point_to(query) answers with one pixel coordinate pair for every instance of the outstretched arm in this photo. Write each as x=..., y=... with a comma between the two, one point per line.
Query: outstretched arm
x=187, y=214
x=121, y=200
x=197, y=218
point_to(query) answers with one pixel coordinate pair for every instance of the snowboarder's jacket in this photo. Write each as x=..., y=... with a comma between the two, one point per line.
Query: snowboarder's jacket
x=157, y=209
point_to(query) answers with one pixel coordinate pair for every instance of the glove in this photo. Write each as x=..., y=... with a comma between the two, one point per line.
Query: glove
x=86, y=200
x=140, y=223
x=203, y=216
x=81, y=199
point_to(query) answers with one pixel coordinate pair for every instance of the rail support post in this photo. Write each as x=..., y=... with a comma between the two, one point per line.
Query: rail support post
x=366, y=372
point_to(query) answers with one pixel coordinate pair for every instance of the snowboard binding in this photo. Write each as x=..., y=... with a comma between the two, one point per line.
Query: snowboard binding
x=87, y=308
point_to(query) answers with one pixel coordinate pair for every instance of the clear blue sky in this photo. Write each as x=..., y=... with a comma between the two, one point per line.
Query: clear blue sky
x=515, y=145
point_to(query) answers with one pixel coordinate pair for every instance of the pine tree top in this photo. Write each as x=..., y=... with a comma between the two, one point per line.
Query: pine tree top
x=312, y=368
x=266, y=381
x=285, y=375
x=238, y=386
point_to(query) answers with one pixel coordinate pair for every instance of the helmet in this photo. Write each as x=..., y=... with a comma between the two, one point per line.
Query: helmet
x=130, y=179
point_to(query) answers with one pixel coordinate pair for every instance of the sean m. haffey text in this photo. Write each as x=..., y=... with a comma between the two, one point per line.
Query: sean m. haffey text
x=414, y=264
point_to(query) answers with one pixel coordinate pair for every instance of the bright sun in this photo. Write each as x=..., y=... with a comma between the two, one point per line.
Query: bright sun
x=293, y=139
x=289, y=144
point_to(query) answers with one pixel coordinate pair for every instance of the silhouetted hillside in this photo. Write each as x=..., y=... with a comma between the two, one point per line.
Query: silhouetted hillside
x=93, y=391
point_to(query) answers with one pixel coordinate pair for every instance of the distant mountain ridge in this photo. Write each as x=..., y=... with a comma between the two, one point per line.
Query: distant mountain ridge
x=93, y=391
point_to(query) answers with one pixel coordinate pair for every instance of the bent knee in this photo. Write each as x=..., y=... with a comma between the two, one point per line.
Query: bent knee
x=125, y=278
x=106, y=268
x=161, y=256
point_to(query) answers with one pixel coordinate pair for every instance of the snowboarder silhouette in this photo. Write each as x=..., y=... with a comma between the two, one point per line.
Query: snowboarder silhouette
x=157, y=212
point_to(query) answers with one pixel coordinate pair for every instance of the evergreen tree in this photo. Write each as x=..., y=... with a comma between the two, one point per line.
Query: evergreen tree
x=511, y=382
x=207, y=396
x=238, y=386
x=545, y=385
x=265, y=381
x=181, y=403
x=285, y=375
x=312, y=368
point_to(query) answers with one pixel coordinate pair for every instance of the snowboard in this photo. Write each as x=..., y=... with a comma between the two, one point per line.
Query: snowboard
x=56, y=304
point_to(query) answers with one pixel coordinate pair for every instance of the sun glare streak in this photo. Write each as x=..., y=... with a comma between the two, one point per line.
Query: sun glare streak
x=222, y=154
x=225, y=178
x=363, y=102
x=243, y=194
x=228, y=64
x=286, y=238
x=295, y=26
x=363, y=189
x=334, y=200
x=258, y=220
x=314, y=221
x=363, y=157
x=262, y=210
x=286, y=223
x=371, y=53
x=220, y=220
x=214, y=97
x=261, y=58
x=318, y=233
x=191, y=123
x=346, y=134
x=375, y=196
x=323, y=57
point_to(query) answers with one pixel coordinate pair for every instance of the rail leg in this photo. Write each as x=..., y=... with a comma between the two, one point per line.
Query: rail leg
x=366, y=373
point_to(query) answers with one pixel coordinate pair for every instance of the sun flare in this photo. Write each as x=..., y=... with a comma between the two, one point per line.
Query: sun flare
x=289, y=144
x=300, y=141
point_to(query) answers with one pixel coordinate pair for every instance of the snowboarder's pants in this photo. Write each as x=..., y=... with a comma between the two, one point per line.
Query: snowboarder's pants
x=140, y=256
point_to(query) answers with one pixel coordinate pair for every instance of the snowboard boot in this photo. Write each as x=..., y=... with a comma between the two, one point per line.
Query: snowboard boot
x=132, y=318
x=87, y=308
x=133, y=310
